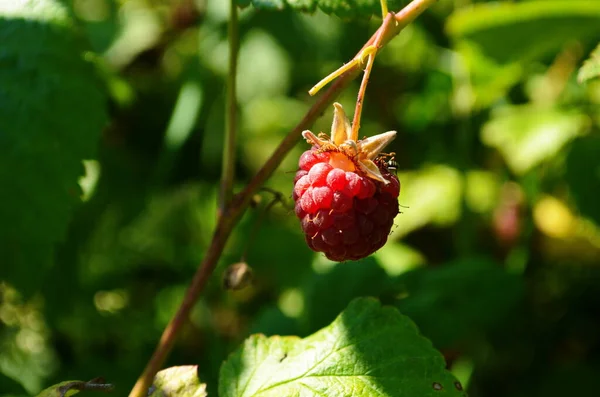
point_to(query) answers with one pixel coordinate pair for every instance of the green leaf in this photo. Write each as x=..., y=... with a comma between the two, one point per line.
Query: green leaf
x=591, y=67
x=62, y=389
x=488, y=79
x=341, y=8
x=71, y=387
x=528, y=135
x=583, y=175
x=52, y=110
x=455, y=301
x=178, y=382
x=511, y=31
x=368, y=350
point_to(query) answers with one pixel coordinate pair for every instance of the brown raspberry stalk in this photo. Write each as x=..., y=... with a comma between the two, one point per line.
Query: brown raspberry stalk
x=346, y=199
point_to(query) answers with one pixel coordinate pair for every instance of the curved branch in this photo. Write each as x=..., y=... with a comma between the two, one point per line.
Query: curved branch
x=236, y=207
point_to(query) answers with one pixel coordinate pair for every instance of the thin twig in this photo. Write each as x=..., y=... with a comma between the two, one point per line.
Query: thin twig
x=234, y=210
x=361, y=96
x=365, y=80
x=384, y=8
x=412, y=11
x=334, y=75
x=228, y=166
x=403, y=18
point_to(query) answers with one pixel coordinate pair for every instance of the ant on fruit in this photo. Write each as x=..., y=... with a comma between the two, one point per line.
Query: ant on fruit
x=392, y=165
x=389, y=161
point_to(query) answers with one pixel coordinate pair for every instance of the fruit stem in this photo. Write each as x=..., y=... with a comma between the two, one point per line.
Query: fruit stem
x=238, y=204
x=385, y=26
x=403, y=18
x=229, y=147
x=411, y=12
x=384, y=8
x=333, y=75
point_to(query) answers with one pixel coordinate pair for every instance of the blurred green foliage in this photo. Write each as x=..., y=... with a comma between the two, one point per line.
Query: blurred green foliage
x=47, y=130
x=591, y=67
x=496, y=254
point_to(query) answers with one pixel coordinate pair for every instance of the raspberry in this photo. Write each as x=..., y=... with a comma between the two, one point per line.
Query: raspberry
x=346, y=199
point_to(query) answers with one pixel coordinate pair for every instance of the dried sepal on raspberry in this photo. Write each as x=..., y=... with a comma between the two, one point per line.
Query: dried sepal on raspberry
x=343, y=140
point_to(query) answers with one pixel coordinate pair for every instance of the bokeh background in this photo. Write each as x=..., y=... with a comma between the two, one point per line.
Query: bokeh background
x=495, y=256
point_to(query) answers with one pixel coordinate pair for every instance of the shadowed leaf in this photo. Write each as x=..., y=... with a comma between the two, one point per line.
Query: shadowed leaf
x=511, y=31
x=341, y=8
x=51, y=114
x=457, y=300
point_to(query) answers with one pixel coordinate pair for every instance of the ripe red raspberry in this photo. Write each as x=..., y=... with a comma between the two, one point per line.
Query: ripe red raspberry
x=346, y=202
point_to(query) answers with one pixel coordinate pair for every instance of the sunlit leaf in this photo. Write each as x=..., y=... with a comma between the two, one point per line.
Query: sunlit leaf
x=591, y=67
x=396, y=258
x=368, y=350
x=178, y=382
x=51, y=113
x=510, y=31
x=527, y=135
x=434, y=197
x=488, y=80
x=481, y=190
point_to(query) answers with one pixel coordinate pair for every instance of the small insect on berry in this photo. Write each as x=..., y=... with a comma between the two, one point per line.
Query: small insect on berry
x=392, y=165
x=346, y=197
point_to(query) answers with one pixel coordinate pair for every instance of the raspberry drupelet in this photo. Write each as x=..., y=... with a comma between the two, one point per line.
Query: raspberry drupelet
x=346, y=199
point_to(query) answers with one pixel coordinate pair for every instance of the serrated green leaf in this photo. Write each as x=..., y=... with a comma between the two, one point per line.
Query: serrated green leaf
x=368, y=350
x=62, y=389
x=52, y=110
x=454, y=301
x=591, y=67
x=511, y=31
x=178, y=382
x=341, y=8
x=527, y=135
